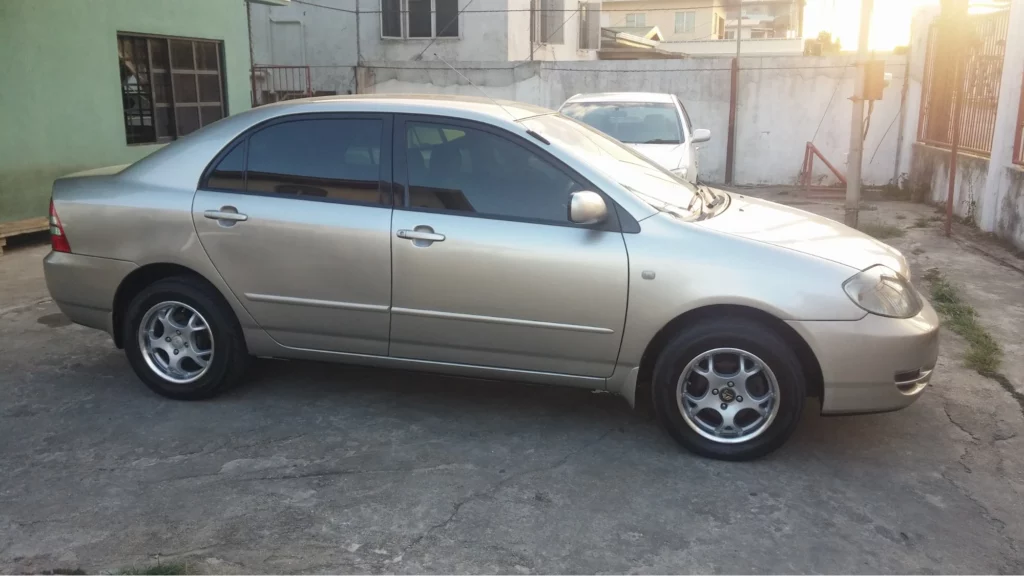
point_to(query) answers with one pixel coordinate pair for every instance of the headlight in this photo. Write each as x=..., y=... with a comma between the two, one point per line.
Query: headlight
x=882, y=291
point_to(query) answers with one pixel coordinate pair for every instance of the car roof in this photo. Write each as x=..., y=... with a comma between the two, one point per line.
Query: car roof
x=651, y=97
x=443, y=104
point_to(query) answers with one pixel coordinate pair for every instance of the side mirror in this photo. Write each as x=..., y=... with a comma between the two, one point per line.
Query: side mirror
x=587, y=208
x=701, y=135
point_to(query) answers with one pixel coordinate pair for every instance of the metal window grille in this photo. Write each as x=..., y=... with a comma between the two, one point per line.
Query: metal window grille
x=169, y=86
x=982, y=72
x=547, y=24
x=590, y=26
x=276, y=83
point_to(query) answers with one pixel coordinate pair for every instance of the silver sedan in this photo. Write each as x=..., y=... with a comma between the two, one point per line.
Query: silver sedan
x=484, y=239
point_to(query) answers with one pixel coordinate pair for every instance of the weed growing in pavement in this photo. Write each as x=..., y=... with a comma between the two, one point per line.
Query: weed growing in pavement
x=881, y=231
x=983, y=353
x=158, y=569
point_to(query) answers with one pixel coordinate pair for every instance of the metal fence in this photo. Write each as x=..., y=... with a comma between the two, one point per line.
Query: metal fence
x=982, y=69
x=276, y=83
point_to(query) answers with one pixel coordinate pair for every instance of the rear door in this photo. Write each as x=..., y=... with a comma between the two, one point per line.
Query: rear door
x=488, y=269
x=296, y=216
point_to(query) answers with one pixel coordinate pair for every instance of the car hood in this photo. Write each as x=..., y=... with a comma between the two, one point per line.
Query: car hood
x=804, y=232
x=670, y=156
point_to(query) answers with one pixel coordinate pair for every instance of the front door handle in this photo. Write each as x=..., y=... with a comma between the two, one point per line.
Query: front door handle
x=421, y=235
x=226, y=213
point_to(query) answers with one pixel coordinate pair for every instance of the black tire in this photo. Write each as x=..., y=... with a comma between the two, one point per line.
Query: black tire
x=729, y=332
x=230, y=358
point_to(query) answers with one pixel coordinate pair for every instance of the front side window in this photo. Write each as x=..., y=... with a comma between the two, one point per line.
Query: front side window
x=331, y=159
x=419, y=19
x=651, y=183
x=464, y=170
x=630, y=122
x=170, y=87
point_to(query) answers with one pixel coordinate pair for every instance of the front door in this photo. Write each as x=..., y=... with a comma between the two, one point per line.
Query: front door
x=487, y=268
x=298, y=222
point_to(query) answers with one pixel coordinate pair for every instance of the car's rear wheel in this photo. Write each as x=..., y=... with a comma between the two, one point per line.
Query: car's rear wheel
x=729, y=388
x=183, y=340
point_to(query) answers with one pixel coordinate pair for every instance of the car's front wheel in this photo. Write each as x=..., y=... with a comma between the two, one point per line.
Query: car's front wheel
x=729, y=388
x=183, y=340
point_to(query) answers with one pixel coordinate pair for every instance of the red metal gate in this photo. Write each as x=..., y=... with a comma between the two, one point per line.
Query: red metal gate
x=982, y=73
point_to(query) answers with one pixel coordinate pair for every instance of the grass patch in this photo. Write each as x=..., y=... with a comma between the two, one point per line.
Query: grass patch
x=881, y=231
x=921, y=222
x=157, y=569
x=983, y=353
x=901, y=216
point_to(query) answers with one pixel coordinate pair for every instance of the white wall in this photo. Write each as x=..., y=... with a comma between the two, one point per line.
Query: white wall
x=759, y=47
x=483, y=36
x=781, y=101
x=304, y=35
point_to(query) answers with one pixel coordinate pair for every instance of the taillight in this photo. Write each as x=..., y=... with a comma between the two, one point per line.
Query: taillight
x=58, y=241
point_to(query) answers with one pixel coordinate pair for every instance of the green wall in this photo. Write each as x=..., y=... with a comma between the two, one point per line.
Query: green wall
x=60, y=93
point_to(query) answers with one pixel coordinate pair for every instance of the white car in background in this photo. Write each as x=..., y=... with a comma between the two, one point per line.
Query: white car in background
x=656, y=125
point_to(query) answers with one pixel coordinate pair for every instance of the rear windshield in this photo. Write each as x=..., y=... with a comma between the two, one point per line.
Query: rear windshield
x=630, y=122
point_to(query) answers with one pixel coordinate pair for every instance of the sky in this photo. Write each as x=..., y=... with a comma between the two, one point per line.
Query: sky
x=890, y=21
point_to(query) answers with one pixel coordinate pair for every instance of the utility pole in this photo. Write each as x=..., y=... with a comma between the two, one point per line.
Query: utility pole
x=856, y=155
x=734, y=79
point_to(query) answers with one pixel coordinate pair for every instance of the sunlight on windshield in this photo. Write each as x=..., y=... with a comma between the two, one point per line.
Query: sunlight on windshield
x=651, y=183
x=632, y=123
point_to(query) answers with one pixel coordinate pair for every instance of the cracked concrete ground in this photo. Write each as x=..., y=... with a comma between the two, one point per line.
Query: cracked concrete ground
x=329, y=468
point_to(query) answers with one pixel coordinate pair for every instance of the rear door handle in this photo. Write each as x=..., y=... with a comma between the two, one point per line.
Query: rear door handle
x=421, y=235
x=224, y=215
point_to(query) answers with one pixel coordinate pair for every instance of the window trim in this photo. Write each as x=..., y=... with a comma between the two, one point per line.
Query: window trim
x=170, y=71
x=403, y=23
x=400, y=174
x=384, y=177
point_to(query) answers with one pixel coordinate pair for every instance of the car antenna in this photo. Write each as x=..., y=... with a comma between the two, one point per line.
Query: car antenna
x=496, y=103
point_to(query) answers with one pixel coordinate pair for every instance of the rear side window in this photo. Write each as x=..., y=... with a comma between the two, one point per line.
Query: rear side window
x=230, y=171
x=333, y=159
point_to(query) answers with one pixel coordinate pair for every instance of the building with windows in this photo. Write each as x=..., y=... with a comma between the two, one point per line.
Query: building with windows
x=89, y=84
x=708, y=27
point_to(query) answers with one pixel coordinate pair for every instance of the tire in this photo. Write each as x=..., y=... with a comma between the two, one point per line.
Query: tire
x=221, y=345
x=728, y=339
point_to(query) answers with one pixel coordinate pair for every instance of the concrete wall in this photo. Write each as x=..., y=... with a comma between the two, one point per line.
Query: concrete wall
x=60, y=93
x=321, y=37
x=930, y=167
x=781, y=102
x=757, y=47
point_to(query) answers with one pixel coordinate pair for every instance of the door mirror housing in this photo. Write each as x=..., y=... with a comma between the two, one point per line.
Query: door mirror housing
x=701, y=135
x=587, y=208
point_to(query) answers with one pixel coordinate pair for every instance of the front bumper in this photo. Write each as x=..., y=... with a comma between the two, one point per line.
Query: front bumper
x=84, y=286
x=875, y=364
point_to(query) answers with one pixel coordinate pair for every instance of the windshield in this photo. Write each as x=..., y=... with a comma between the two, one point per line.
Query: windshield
x=629, y=122
x=648, y=181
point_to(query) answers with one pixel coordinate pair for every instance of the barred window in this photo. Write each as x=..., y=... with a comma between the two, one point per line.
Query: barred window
x=169, y=86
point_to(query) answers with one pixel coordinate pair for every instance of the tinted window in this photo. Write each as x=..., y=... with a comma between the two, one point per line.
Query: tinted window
x=337, y=159
x=632, y=123
x=228, y=175
x=466, y=170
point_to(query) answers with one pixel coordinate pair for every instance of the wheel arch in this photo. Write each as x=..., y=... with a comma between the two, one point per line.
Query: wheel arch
x=808, y=361
x=145, y=276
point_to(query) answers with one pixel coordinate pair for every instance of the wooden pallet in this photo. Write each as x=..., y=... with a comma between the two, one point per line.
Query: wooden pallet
x=27, y=226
